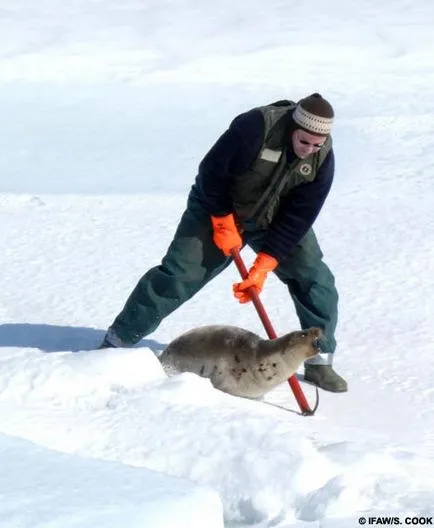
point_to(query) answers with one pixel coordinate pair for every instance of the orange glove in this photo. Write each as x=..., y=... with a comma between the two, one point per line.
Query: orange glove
x=256, y=277
x=226, y=235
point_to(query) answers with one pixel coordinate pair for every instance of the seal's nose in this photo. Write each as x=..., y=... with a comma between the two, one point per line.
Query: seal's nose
x=316, y=343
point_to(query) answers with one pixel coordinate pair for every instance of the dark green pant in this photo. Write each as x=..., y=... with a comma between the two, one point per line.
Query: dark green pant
x=192, y=260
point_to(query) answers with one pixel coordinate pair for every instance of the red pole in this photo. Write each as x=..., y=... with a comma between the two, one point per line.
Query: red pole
x=293, y=381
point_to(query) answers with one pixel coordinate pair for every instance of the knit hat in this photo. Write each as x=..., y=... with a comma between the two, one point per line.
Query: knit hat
x=314, y=114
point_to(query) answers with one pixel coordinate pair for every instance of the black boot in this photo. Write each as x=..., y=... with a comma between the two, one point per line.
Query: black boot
x=105, y=343
x=325, y=377
x=112, y=340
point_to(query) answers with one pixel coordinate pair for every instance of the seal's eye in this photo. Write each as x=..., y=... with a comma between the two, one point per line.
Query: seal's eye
x=303, y=334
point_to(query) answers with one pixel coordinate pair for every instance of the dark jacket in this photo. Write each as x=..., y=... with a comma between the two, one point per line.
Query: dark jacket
x=233, y=153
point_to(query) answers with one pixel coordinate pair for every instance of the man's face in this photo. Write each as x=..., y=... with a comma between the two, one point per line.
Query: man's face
x=304, y=143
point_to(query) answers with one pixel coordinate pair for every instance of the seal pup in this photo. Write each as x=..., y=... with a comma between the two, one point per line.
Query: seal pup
x=238, y=361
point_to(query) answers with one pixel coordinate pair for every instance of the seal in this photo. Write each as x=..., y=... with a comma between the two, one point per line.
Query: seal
x=238, y=361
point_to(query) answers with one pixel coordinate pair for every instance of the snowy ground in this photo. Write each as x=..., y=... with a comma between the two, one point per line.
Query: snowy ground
x=107, y=109
x=69, y=491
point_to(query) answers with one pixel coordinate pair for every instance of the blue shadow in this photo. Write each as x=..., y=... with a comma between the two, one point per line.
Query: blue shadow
x=53, y=338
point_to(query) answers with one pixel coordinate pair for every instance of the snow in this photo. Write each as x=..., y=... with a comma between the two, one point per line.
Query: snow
x=93, y=493
x=107, y=109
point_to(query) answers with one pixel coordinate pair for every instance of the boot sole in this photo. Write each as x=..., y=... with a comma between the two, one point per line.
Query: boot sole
x=328, y=389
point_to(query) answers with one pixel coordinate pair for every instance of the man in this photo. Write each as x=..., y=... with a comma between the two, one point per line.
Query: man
x=263, y=183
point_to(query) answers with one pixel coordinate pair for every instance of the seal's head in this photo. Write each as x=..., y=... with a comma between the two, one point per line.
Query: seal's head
x=305, y=342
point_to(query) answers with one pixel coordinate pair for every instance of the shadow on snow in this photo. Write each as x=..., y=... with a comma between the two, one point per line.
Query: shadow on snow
x=52, y=338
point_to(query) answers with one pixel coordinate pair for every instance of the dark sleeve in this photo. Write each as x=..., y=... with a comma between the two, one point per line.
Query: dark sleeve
x=298, y=211
x=232, y=154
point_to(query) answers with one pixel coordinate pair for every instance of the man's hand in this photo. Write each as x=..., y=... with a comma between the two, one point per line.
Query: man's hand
x=226, y=235
x=257, y=274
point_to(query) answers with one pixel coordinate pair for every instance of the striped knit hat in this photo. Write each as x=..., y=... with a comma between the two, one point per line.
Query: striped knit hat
x=314, y=114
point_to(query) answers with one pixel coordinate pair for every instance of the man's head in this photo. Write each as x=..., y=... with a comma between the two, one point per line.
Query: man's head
x=312, y=122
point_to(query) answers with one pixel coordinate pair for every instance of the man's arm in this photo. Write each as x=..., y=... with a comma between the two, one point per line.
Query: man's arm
x=298, y=212
x=233, y=153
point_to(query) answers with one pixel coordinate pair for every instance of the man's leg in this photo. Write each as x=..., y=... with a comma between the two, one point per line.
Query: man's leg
x=191, y=261
x=312, y=287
